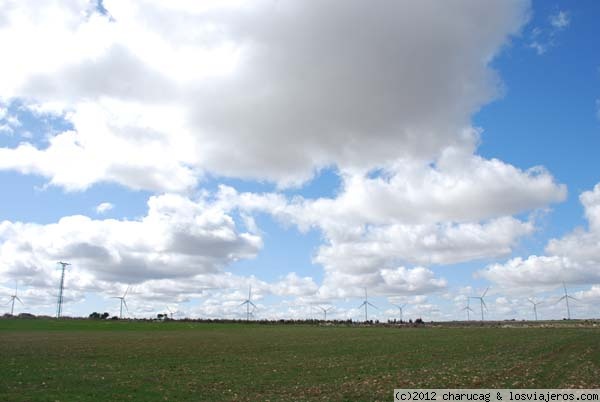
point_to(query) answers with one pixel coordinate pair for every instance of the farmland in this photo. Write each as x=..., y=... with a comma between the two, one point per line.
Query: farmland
x=89, y=360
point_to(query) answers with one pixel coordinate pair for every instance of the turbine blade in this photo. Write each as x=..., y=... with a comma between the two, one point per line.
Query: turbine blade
x=571, y=297
x=363, y=303
x=126, y=291
x=372, y=305
x=125, y=303
x=244, y=303
x=484, y=293
x=561, y=299
x=16, y=297
x=252, y=304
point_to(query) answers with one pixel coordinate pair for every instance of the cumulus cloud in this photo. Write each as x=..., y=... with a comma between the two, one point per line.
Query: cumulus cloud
x=92, y=153
x=178, y=238
x=104, y=207
x=266, y=90
x=156, y=95
x=458, y=188
x=590, y=296
x=373, y=247
x=574, y=258
x=419, y=214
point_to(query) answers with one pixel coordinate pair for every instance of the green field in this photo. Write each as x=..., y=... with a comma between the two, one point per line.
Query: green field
x=85, y=360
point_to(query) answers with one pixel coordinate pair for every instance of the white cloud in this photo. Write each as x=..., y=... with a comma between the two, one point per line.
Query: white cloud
x=540, y=48
x=104, y=207
x=460, y=187
x=455, y=211
x=590, y=296
x=267, y=90
x=159, y=94
x=574, y=258
x=388, y=281
x=293, y=285
x=543, y=39
x=413, y=213
x=92, y=152
x=178, y=238
x=560, y=20
x=364, y=249
x=8, y=121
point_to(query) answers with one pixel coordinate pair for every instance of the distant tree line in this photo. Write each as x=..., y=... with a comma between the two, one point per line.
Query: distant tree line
x=98, y=316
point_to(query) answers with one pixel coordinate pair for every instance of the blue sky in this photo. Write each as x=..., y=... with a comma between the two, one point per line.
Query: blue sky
x=309, y=151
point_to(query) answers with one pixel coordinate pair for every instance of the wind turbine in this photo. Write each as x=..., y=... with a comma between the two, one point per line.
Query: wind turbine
x=566, y=297
x=61, y=288
x=13, y=298
x=535, y=304
x=468, y=308
x=400, y=309
x=325, y=310
x=176, y=313
x=481, y=301
x=123, y=302
x=248, y=302
x=366, y=303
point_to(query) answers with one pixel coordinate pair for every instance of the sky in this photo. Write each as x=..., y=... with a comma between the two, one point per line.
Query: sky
x=186, y=152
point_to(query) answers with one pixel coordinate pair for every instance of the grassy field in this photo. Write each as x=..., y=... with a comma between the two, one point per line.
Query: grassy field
x=84, y=360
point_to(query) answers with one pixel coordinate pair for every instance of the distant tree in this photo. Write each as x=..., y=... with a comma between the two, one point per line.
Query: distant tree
x=95, y=316
x=160, y=316
x=105, y=315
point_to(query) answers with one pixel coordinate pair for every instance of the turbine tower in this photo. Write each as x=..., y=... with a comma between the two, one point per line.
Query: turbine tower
x=325, y=310
x=123, y=302
x=535, y=304
x=13, y=298
x=400, y=307
x=482, y=303
x=566, y=297
x=366, y=303
x=61, y=288
x=468, y=308
x=248, y=302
